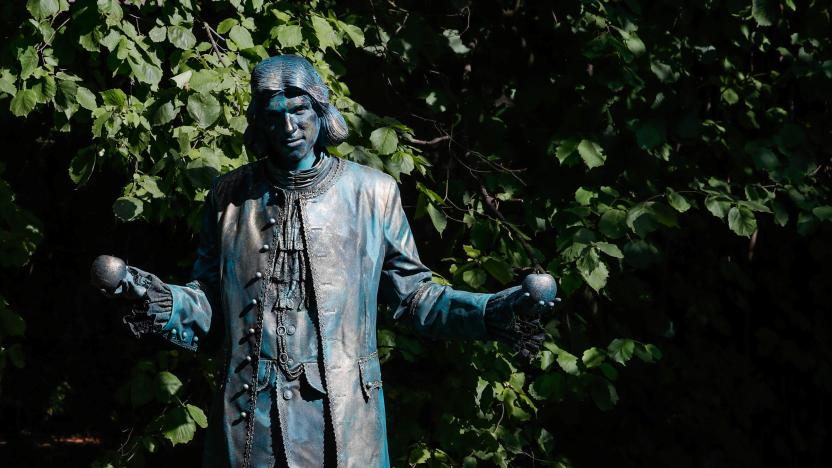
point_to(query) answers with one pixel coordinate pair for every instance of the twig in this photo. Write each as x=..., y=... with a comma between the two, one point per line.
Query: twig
x=489, y=203
x=430, y=142
x=214, y=45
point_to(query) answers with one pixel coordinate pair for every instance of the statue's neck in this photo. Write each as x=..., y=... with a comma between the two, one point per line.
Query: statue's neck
x=282, y=164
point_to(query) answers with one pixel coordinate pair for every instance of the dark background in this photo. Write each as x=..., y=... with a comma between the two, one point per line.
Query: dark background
x=741, y=320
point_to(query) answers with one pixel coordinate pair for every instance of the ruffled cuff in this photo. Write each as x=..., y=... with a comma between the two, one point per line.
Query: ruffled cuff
x=505, y=322
x=153, y=311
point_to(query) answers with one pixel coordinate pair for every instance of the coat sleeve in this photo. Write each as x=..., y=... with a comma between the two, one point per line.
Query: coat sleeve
x=406, y=284
x=182, y=314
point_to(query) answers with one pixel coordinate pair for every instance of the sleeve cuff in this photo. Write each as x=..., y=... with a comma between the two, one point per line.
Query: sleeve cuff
x=152, y=312
x=523, y=333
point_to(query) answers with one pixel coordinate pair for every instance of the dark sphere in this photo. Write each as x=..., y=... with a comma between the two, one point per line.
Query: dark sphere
x=107, y=272
x=541, y=287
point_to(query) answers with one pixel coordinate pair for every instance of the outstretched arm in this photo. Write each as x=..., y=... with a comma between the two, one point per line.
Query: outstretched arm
x=440, y=311
x=181, y=314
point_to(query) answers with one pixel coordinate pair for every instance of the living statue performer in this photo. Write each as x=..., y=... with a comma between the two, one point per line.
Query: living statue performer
x=294, y=251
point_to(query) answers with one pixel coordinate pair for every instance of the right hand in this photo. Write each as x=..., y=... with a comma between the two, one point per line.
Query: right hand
x=113, y=278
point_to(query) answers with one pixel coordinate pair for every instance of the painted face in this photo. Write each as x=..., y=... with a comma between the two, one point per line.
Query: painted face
x=290, y=125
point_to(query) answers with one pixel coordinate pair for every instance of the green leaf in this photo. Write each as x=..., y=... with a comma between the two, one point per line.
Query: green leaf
x=289, y=36
x=621, y=350
x=226, y=25
x=86, y=98
x=181, y=37
x=146, y=72
x=23, y=102
x=612, y=223
x=28, y=62
x=565, y=149
x=158, y=34
x=437, y=217
x=128, y=208
x=763, y=11
x=593, y=357
x=82, y=165
x=823, y=213
x=327, y=38
x=717, y=205
x=183, y=78
x=547, y=386
x=455, y=41
x=241, y=37
x=167, y=385
x=7, y=81
x=499, y=269
x=584, y=196
x=197, y=415
x=568, y=362
x=41, y=9
x=677, y=201
x=603, y=393
x=474, y=277
x=610, y=249
x=384, y=140
x=204, y=109
x=177, y=426
x=114, y=97
x=202, y=170
x=204, y=81
x=355, y=33
x=741, y=220
x=592, y=153
x=164, y=114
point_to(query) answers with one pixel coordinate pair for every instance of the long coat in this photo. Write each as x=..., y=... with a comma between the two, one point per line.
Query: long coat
x=360, y=248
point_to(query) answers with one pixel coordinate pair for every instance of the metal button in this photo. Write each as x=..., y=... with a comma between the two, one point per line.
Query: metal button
x=265, y=246
x=184, y=335
x=281, y=330
x=287, y=394
x=254, y=302
x=272, y=221
x=290, y=330
x=258, y=274
x=245, y=386
x=243, y=414
x=173, y=332
x=248, y=358
x=196, y=338
x=250, y=331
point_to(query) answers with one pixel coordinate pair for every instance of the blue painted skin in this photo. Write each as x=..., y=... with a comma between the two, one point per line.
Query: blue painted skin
x=292, y=127
x=360, y=250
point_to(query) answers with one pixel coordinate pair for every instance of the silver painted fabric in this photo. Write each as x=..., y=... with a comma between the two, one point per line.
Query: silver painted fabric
x=360, y=249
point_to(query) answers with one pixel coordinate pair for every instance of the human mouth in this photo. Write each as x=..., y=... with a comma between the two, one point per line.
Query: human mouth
x=292, y=142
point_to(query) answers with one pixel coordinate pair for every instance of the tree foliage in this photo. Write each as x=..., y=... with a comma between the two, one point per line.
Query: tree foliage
x=612, y=143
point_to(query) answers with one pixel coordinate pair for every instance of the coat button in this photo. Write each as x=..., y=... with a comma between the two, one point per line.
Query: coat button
x=245, y=386
x=254, y=302
x=243, y=414
x=248, y=358
x=272, y=221
x=265, y=246
x=173, y=332
x=290, y=330
x=250, y=331
x=287, y=394
x=258, y=275
x=196, y=338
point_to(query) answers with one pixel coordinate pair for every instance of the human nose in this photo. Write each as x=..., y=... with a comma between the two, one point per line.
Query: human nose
x=288, y=124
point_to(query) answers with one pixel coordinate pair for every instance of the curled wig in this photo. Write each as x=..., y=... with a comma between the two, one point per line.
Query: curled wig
x=280, y=73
